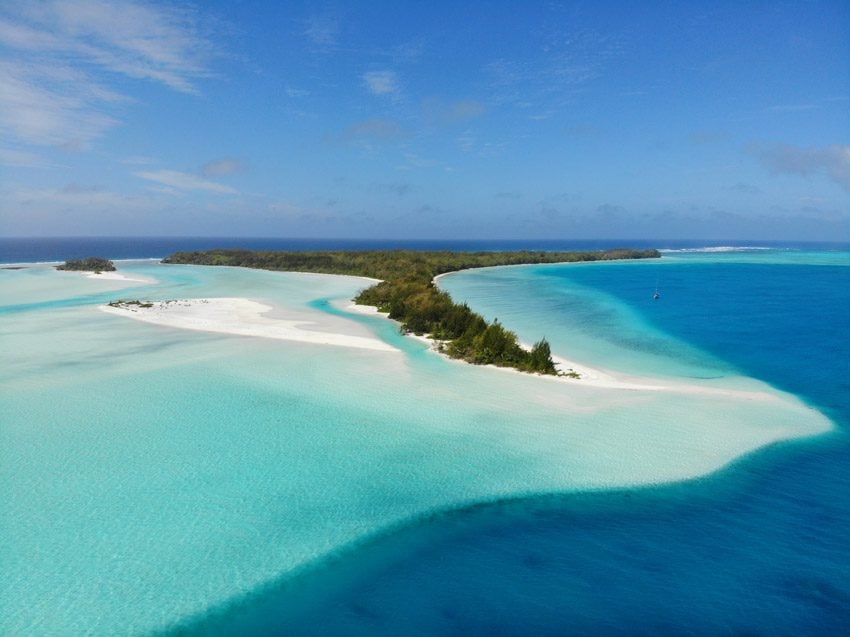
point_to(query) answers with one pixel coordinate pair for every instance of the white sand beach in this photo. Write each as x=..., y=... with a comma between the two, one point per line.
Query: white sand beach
x=119, y=276
x=241, y=317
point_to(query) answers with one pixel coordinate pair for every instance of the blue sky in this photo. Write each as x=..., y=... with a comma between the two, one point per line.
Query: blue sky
x=715, y=120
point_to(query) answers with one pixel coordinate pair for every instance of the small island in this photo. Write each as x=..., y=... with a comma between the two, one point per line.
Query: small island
x=407, y=293
x=91, y=264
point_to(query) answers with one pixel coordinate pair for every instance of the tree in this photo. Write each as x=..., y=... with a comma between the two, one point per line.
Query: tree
x=540, y=358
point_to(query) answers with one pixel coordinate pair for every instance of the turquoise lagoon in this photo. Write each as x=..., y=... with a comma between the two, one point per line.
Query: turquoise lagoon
x=157, y=479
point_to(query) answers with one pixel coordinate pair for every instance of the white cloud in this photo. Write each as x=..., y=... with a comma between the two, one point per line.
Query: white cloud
x=37, y=106
x=131, y=38
x=185, y=181
x=381, y=82
x=60, y=55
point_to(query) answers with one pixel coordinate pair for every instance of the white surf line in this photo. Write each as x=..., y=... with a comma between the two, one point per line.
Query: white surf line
x=237, y=316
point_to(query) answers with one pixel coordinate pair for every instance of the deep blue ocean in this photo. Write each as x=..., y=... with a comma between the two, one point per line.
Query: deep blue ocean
x=760, y=548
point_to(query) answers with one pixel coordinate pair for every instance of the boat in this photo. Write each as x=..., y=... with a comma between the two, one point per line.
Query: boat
x=657, y=294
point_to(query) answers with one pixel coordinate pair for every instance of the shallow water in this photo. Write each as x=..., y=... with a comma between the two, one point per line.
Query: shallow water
x=761, y=548
x=161, y=477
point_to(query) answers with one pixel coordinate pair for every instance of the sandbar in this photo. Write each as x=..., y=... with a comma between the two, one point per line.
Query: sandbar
x=242, y=317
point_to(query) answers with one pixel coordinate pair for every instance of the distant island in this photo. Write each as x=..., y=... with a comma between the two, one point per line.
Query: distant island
x=407, y=293
x=92, y=264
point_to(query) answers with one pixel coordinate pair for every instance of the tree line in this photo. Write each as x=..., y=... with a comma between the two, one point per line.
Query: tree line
x=408, y=294
x=91, y=264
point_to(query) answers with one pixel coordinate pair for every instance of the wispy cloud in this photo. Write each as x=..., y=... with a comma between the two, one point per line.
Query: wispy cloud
x=222, y=167
x=466, y=141
x=407, y=51
x=79, y=208
x=73, y=196
x=810, y=105
x=792, y=108
x=62, y=54
x=568, y=60
x=296, y=93
x=45, y=105
x=22, y=159
x=185, y=181
x=322, y=30
x=381, y=82
x=130, y=38
x=832, y=162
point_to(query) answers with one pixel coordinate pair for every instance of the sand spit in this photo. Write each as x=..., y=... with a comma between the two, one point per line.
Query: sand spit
x=582, y=375
x=238, y=316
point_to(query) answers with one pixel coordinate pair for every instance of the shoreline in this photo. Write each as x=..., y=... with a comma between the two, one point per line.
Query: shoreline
x=589, y=376
x=244, y=317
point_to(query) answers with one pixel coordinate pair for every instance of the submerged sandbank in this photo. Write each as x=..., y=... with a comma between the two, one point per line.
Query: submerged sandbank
x=205, y=468
x=241, y=317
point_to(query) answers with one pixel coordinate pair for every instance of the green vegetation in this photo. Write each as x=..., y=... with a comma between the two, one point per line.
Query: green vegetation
x=408, y=294
x=92, y=264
